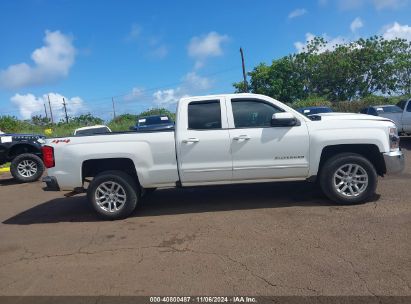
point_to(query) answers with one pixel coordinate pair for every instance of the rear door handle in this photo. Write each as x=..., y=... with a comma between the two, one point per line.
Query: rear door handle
x=242, y=137
x=191, y=140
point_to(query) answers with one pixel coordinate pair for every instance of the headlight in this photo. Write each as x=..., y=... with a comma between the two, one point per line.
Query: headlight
x=394, y=139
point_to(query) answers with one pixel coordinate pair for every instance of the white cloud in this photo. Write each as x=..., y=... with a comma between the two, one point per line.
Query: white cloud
x=397, y=30
x=135, y=93
x=330, y=45
x=195, y=82
x=164, y=98
x=134, y=33
x=30, y=105
x=51, y=62
x=356, y=24
x=192, y=84
x=297, y=13
x=377, y=4
x=390, y=4
x=159, y=52
x=205, y=46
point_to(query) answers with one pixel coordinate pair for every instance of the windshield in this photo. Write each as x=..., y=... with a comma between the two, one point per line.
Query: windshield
x=389, y=109
x=101, y=130
x=153, y=120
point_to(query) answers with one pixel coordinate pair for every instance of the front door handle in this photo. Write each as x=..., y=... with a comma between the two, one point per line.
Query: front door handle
x=191, y=140
x=242, y=137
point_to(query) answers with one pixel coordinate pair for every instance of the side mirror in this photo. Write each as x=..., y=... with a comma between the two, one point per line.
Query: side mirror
x=283, y=119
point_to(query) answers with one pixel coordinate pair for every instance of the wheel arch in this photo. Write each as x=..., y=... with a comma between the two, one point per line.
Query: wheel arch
x=368, y=151
x=93, y=167
x=22, y=148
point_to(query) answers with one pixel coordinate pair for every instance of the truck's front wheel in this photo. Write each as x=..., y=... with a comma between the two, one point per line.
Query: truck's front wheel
x=113, y=194
x=348, y=178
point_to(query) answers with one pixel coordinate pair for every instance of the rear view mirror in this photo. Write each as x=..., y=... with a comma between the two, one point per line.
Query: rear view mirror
x=283, y=119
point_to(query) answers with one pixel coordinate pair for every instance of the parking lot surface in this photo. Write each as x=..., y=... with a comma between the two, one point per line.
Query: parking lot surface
x=257, y=239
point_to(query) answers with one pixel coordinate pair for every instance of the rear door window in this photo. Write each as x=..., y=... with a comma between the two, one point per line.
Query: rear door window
x=204, y=115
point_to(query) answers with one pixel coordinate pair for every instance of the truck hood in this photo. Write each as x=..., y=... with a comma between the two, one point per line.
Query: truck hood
x=350, y=116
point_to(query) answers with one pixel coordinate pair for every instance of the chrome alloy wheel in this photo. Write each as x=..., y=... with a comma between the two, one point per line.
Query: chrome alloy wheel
x=27, y=168
x=110, y=196
x=350, y=180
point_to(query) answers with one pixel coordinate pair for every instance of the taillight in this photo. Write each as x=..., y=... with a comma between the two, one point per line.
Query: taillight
x=48, y=156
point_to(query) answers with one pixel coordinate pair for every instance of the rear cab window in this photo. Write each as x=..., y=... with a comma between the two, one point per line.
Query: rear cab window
x=204, y=115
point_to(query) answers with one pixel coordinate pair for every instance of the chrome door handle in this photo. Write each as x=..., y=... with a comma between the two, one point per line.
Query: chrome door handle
x=191, y=140
x=242, y=137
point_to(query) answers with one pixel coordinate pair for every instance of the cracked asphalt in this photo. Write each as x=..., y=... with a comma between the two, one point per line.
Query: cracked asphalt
x=261, y=239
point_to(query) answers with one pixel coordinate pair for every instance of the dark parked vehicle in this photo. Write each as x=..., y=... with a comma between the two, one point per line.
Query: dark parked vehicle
x=153, y=123
x=314, y=110
x=24, y=153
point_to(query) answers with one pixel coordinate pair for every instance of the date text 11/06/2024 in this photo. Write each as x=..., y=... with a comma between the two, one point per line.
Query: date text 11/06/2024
x=234, y=299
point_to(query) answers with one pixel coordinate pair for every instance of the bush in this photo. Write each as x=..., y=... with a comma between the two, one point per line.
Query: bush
x=85, y=120
x=9, y=124
x=312, y=101
x=125, y=121
x=356, y=105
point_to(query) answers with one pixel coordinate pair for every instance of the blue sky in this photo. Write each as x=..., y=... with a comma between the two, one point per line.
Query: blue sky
x=150, y=53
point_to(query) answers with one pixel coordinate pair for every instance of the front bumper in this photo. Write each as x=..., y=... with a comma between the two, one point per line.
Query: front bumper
x=51, y=183
x=394, y=162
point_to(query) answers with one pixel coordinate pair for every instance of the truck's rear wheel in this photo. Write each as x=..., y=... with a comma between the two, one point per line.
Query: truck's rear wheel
x=113, y=194
x=348, y=178
x=27, y=168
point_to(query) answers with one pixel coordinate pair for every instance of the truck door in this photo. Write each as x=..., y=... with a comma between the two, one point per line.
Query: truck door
x=203, y=142
x=260, y=151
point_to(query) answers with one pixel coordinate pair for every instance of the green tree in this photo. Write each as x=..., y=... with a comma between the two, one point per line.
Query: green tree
x=85, y=120
x=9, y=124
x=345, y=72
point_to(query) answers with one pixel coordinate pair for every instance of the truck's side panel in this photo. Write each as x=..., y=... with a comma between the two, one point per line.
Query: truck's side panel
x=153, y=155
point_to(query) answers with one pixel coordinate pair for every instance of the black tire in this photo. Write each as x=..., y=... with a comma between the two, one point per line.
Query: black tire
x=129, y=189
x=27, y=168
x=328, y=182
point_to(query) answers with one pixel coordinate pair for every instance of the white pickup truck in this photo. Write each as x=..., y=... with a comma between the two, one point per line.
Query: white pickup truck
x=225, y=139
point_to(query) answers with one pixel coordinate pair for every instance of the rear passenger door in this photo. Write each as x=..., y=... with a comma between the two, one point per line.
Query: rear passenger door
x=203, y=143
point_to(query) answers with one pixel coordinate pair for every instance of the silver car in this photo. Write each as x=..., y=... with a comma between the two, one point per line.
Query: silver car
x=388, y=111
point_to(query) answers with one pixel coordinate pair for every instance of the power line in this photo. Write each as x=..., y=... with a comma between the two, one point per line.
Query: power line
x=89, y=101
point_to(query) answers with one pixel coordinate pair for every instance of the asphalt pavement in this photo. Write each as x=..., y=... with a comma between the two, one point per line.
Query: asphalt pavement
x=256, y=239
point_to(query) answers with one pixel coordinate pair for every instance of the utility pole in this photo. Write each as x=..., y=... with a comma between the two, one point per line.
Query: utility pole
x=114, y=109
x=45, y=111
x=51, y=111
x=65, y=110
x=244, y=75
